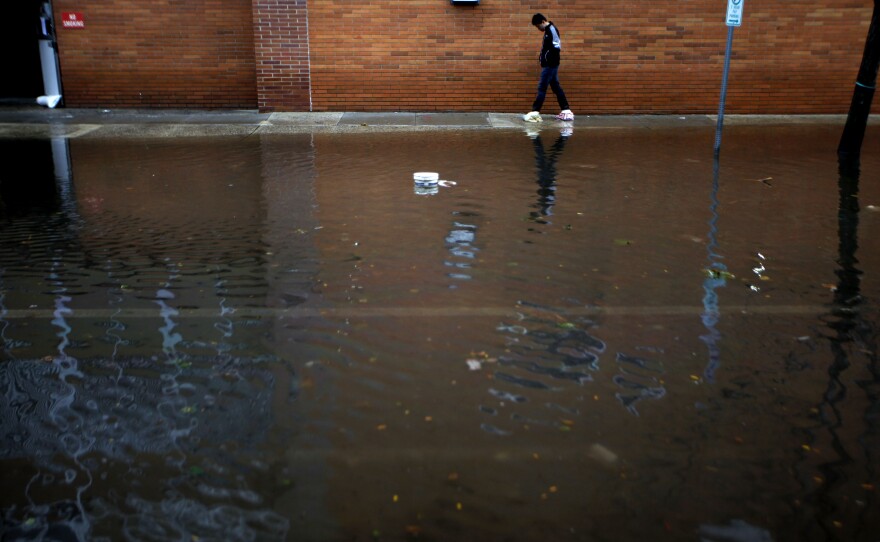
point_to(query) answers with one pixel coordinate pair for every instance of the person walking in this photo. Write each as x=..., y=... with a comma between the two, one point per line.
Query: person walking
x=549, y=58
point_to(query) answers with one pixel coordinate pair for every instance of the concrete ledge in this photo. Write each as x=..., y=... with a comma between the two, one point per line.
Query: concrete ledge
x=781, y=120
x=35, y=122
x=304, y=119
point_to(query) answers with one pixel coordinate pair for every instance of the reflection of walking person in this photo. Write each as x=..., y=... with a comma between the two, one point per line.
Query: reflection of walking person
x=545, y=162
x=550, y=58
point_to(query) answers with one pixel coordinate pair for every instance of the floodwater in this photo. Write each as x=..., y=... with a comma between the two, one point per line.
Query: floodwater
x=603, y=336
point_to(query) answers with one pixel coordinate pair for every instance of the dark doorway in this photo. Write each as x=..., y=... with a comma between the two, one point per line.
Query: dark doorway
x=22, y=80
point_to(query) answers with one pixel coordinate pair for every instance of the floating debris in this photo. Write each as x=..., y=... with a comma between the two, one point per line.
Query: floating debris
x=602, y=454
x=427, y=183
x=719, y=274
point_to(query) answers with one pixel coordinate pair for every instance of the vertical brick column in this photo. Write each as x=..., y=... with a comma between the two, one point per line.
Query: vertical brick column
x=281, y=45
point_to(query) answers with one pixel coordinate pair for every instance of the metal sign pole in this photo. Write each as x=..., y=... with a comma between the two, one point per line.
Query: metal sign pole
x=866, y=84
x=734, y=19
x=723, y=91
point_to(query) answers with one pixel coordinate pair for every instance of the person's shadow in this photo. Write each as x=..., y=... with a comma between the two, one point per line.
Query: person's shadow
x=545, y=163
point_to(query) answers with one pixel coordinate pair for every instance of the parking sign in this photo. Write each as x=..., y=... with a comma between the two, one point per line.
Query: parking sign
x=734, y=12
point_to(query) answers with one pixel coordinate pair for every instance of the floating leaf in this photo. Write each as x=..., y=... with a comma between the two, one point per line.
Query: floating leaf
x=718, y=274
x=622, y=242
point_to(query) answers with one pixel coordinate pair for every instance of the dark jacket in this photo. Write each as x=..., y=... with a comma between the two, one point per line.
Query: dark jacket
x=551, y=47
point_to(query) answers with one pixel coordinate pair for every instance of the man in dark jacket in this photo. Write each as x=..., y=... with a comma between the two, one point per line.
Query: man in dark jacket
x=550, y=49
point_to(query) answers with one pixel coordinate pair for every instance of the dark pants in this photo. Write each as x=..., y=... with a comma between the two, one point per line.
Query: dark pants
x=549, y=77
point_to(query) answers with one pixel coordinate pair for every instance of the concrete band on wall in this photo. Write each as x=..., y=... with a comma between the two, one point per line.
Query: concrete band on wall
x=789, y=56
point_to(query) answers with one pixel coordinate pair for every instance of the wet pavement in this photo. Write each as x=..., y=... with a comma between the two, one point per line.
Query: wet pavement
x=38, y=122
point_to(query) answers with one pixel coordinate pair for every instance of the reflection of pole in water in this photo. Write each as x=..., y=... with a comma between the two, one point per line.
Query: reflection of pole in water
x=60, y=312
x=61, y=409
x=5, y=342
x=716, y=277
x=849, y=332
x=63, y=178
x=545, y=163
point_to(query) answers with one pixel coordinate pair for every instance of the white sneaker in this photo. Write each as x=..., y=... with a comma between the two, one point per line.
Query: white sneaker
x=533, y=116
x=566, y=115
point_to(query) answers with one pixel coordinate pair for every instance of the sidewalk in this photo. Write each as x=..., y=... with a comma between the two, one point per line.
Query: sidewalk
x=41, y=122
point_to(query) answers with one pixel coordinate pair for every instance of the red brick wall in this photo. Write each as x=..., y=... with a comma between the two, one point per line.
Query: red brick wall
x=163, y=53
x=628, y=56
x=282, y=54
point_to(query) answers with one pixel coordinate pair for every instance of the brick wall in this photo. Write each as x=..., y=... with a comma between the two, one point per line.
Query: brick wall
x=629, y=56
x=163, y=53
x=282, y=54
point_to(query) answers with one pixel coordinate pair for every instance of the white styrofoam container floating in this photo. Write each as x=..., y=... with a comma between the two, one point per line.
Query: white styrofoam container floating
x=426, y=178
